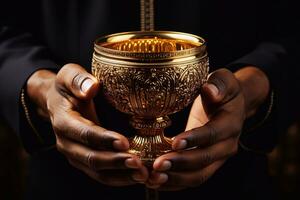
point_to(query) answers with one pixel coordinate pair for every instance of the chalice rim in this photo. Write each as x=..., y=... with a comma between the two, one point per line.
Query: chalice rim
x=101, y=50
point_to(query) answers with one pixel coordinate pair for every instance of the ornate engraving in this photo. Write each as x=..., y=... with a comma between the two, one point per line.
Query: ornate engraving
x=150, y=56
x=149, y=87
x=151, y=92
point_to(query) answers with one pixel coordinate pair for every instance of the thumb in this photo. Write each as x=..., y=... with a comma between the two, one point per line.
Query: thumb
x=221, y=87
x=210, y=92
x=74, y=79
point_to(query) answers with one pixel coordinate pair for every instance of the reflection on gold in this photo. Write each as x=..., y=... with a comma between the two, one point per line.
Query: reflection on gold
x=151, y=45
x=150, y=75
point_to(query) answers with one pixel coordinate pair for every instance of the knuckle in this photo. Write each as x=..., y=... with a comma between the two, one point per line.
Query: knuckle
x=105, y=140
x=193, y=138
x=206, y=158
x=90, y=160
x=212, y=134
x=59, y=126
x=66, y=67
x=85, y=135
x=61, y=73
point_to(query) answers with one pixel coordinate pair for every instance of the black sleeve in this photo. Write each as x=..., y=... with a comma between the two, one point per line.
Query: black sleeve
x=278, y=34
x=20, y=56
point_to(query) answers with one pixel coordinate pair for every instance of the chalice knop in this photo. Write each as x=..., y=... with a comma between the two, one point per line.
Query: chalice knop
x=150, y=75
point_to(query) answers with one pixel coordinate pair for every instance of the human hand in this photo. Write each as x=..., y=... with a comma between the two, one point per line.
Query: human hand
x=66, y=100
x=212, y=132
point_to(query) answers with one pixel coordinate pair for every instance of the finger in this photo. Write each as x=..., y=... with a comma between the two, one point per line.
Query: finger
x=73, y=126
x=97, y=160
x=221, y=87
x=113, y=177
x=184, y=179
x=196, y=158
x=156, y=179
x=223, y=125
x=75, y=79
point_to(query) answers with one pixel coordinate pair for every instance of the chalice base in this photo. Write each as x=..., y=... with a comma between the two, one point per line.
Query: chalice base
x=148, y=148
x=150, y=142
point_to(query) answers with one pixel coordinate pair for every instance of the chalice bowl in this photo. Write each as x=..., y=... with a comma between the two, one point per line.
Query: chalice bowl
x=150, y=75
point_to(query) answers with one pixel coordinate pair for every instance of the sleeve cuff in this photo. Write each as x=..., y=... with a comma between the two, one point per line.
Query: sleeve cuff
x=12, y=108
x=267, y=57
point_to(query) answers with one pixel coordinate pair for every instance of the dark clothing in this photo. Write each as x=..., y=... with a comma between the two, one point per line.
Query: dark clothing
x=48, y=34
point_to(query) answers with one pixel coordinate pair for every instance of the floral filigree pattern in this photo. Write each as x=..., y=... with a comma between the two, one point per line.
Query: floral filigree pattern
x=151, y=92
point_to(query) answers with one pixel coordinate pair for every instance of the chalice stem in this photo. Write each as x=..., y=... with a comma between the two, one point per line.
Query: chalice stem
x=149, y=141
x=152, y=194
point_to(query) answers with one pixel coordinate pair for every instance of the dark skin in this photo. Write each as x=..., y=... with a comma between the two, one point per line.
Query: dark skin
x=66, y=100
x=214, y=126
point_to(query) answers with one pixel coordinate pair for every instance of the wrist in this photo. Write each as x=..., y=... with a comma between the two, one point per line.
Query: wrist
x=255, y=88
x=37, y=87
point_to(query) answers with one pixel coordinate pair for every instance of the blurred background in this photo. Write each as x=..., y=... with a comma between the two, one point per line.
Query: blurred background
x=13, y=160
x=284, y=160
x=284, y=163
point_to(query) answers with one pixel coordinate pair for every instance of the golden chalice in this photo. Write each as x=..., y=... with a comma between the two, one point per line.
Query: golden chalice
x=150, y=75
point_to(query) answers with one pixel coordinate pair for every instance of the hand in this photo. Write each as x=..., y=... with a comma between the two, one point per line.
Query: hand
x=66, y=100
x=212, y=131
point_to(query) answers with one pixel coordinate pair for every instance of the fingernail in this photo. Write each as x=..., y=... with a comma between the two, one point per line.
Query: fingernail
x=138, y=177
x=166, y=165
x=162, y=178
x=86, y=85
x=181, y=145
x=213, y=88
x=119, y=145
x=131, y=163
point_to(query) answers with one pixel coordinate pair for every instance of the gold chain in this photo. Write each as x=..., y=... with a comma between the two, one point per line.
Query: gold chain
x=26, y=111
x=147, y=15
x=267, y=115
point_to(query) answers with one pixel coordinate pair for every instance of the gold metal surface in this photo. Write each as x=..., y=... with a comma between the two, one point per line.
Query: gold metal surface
x=147, y=15
x=150, y=75
x=150, y=46
x=155, y=45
